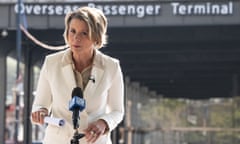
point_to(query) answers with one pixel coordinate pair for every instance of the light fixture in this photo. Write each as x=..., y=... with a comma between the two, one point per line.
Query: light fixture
x=4, y=33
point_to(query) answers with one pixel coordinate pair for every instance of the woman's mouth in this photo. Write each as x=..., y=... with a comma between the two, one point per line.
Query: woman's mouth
x=76, y=46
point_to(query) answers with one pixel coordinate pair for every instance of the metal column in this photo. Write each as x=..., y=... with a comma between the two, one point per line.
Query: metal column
x=28, y=88
x=2, y=95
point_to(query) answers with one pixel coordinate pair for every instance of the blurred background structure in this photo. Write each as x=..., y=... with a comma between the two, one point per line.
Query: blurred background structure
x=180, y=58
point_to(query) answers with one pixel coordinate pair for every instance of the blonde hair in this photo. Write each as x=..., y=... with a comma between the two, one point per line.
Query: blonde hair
x=96, y=21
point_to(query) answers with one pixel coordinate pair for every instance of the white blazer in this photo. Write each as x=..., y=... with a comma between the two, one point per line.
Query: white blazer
x=104, y=97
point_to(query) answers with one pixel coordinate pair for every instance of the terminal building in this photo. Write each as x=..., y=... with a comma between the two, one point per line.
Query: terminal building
x=185, y=50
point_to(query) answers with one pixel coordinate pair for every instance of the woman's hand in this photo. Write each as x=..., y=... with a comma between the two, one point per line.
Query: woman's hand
x=38, y=116
x=95, y=130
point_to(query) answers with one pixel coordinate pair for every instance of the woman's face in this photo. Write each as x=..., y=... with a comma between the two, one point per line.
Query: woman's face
x=78, y=38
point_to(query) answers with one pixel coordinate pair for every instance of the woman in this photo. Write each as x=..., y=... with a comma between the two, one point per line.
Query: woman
x=82, y=65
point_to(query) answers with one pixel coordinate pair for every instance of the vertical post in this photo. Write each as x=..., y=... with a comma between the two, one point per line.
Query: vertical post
x=18, y=39
x=27, y=96
x=128, y=122
x=2, y=96
x=235, y=94
x=18, y=50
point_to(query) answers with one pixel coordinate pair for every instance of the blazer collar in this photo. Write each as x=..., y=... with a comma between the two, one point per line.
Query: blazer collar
x=96, y=73
x=67, y=69
x=97, y=62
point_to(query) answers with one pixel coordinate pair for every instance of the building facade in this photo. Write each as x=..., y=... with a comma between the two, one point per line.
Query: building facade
x=171, y=38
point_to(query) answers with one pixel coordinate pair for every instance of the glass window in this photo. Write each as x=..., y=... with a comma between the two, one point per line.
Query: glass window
x=37, y=130
x=14, y=103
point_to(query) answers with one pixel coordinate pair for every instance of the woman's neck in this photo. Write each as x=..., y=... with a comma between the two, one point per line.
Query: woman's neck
x=82, y=60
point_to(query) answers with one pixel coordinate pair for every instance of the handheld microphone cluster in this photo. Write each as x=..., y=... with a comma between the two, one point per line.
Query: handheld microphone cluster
x=76, y=105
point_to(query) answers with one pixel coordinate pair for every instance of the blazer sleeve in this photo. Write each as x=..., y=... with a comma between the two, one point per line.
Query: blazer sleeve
x=43, y=96
x=115, y=100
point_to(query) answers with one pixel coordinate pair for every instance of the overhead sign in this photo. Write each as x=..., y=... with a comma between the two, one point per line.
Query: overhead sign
x=137, y=9
x=206, y=8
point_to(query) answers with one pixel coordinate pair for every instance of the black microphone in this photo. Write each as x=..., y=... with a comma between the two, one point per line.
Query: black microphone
x=92, y=78
x=76, y=105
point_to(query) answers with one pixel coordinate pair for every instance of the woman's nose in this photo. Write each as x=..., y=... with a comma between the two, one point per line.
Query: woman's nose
x=77, y=37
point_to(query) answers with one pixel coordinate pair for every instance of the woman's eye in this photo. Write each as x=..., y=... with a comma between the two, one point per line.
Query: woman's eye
x=72, y=31
x=84, y=33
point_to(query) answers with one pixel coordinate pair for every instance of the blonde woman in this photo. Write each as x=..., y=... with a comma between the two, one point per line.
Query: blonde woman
x=83, y=65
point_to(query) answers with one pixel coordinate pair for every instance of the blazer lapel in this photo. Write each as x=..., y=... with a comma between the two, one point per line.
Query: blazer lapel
x=97, y=74
x=69, y=76
x=67, y=70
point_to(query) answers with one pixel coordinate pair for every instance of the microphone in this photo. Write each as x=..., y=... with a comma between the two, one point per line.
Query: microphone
x=76, y=105
x=92, y=78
